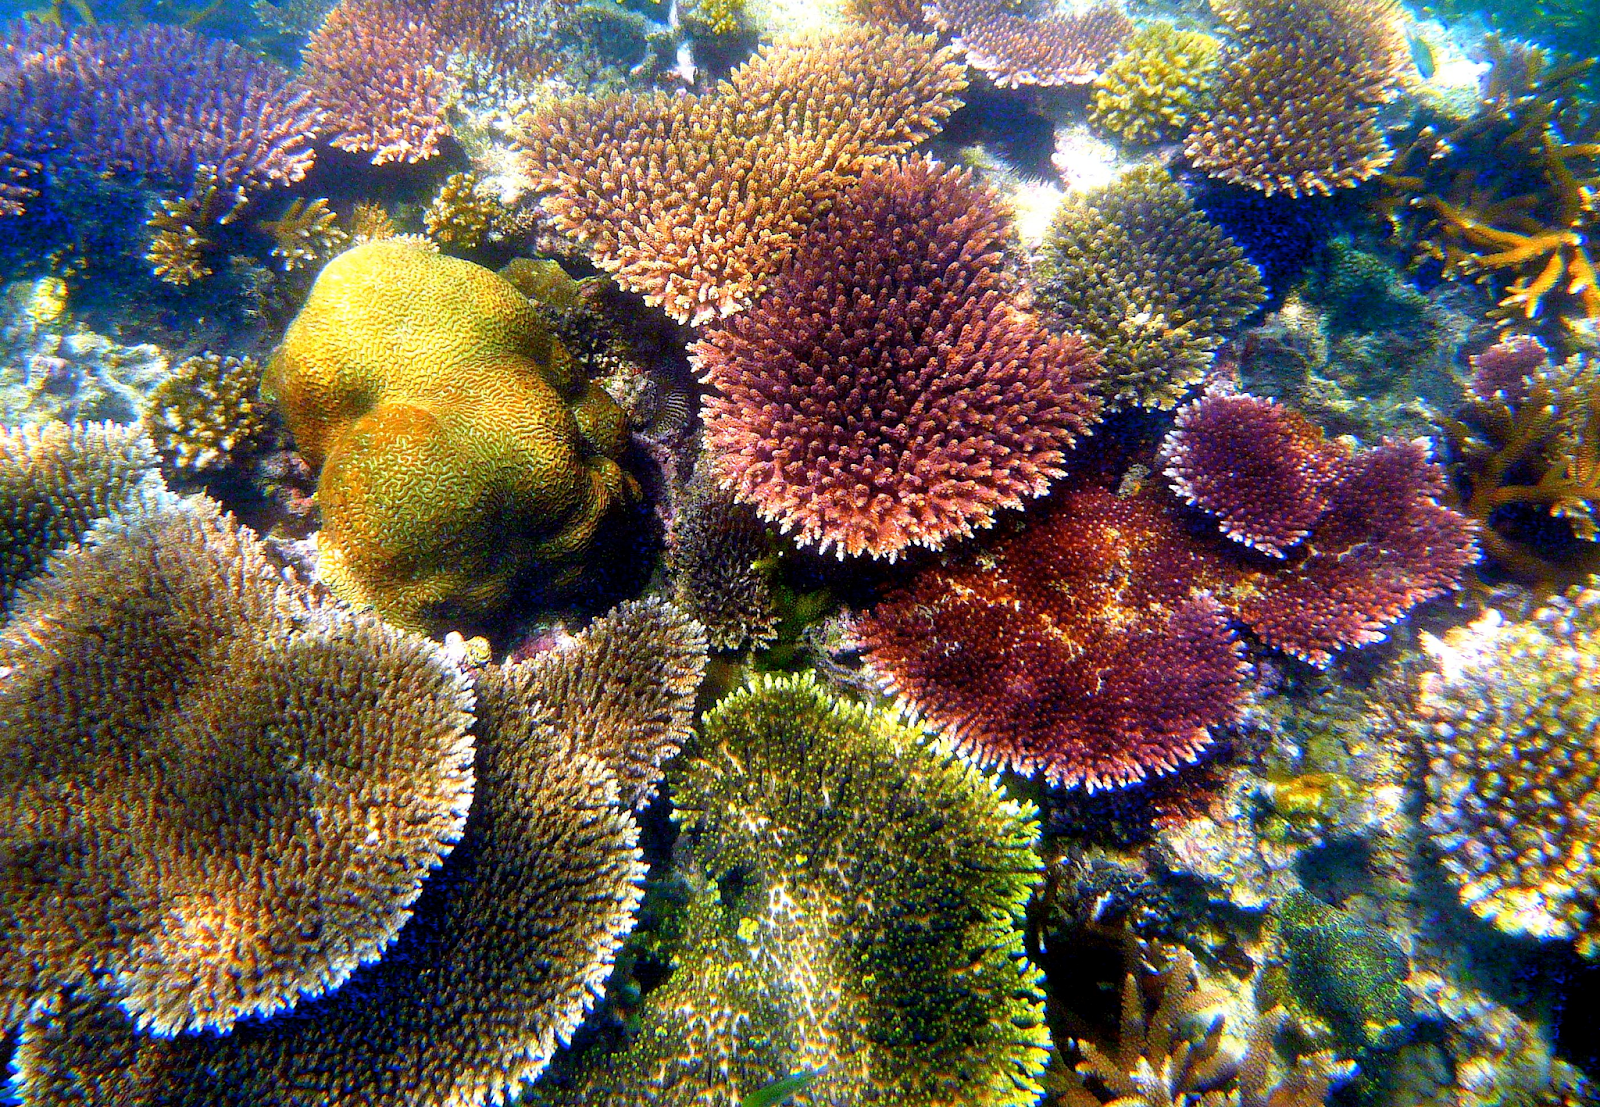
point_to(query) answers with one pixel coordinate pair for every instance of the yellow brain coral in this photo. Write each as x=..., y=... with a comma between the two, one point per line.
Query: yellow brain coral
x=461, y=456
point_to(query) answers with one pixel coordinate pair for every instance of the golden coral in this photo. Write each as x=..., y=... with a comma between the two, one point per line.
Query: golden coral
x=464, y=213
x=220, y=794
x=178, y=242
x=305, y=234
x=460, y=453
x=1151, y=91
x=208, y=414
x=695, y=201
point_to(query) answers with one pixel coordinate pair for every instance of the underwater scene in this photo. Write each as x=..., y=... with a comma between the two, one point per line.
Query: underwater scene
x=739, y=553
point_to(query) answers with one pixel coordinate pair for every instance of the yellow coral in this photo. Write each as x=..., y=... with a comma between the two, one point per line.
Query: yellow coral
x=716, y=17
x=1148, y=94
x=178, y=246
x=207, y=414
x=460, y=454
x=305, y=234
x=463, y=213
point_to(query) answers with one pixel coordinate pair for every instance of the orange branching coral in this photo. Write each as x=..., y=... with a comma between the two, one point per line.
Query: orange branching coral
x=1507, y=198
x=695, y=201
x=1013, y=49
x=220, y=794
x=1295, y=105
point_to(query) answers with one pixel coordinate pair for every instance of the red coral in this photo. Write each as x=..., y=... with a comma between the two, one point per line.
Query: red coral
x=1087, y=646
x=1503, y=369
x=886, y=391
x=1262, y=470
x=1047, y=50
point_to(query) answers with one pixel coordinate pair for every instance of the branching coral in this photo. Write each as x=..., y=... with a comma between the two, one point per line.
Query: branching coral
x=1506, y=199
x=873, y=930
x=56, y=481
x=1510, y=724
x=695, y=201
x=1049, y=49
x=1151, y=91
x=178, y=229
x=221, y=794
x=459, y=451
x=305, y=234
x=887, y=391
x=208, y=414
x=1295, y=105
x=718, y=575
x=463, y=212
x=1149, y=280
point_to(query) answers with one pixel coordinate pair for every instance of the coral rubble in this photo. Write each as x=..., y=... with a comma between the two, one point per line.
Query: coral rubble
x=1049, y=49
x=1150, y=93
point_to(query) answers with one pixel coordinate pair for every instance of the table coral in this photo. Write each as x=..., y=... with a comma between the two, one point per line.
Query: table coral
x=1151, y=91
x=887, y=391
x=460, y=454
x=1150, y=281
x=221, y=794
x=1509, y=721
x=1049, y=49
x=208, y=414
x=874, y=929
x=695, y=201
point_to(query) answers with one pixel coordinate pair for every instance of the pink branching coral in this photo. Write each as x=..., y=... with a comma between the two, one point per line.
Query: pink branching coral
x=887, y=392
x=1015, y=50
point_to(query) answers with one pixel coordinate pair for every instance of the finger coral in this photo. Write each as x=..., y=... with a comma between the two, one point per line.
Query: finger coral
x=1151, y=91
x=1050, y=49
x=460, y=453
x=56, y=481
x=875, y=932
x=695, y=201
x=220, y=796
x=717, y=545
x=1295, y=104
x=208, y=414
x=887, y=391
x=508, y=947
x=1510, y=723
x=1149, y=281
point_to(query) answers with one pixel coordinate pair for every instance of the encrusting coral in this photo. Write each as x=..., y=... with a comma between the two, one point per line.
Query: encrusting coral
x=1510, y=721
x=1150, y=281
x=56, y=481
x=718, y=546
x=208, y=414
x=886, y=391
x=695, y=201
x=873, y=931
x=460, y=454
x=221, y=794
x=1049, y=49
x=507, y=949
x=1160, y=81
x=1345, y=971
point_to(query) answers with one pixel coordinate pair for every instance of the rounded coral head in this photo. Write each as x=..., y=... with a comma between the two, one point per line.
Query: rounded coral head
x=460, y=454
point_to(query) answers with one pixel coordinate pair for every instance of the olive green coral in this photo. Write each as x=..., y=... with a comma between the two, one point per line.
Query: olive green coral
x=868, y=919
x=461, y=454
x=1149, y=281
x=1347, y=972
x=208, y=414
x=1149, y=93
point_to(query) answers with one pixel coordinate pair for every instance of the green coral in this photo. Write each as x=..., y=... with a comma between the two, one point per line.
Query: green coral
x=1149, y=93
x=861, y=915
x=1348, y=973
x=715, y=17
x=1148, y=280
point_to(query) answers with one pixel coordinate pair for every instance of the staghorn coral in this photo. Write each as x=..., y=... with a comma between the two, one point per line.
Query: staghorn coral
x=508, y=947
x=460, y=454
x=221, y=794
x=873, y=929
x=178, y=228
x=56, y=481
x=1151, y=91
x=1150, y=281
x=1049, y=49
x=208, y=414
x=463, y=213
x=1295, y=104
x=695, y=201
x=887, y=391
x=305, y=234
x=719, y=575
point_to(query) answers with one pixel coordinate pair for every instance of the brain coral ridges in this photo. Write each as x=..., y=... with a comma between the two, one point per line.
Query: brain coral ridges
x=268, y=782
x=858, y=911
x=694, y=201
x=887, y=391
x=509, y=942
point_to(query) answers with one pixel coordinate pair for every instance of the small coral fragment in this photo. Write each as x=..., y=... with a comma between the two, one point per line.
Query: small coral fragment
x=1049, y=49
x=221, y=795
x=178, y=242
x=1151, y=91
x=305, y=234
x=208, y=414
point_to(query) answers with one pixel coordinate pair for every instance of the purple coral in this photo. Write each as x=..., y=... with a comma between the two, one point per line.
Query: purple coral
x=1504, y=368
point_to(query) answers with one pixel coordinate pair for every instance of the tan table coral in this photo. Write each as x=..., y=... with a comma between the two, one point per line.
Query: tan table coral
x=461, y=456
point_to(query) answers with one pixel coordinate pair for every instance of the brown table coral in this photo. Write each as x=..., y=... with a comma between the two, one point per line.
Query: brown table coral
x=460, y=454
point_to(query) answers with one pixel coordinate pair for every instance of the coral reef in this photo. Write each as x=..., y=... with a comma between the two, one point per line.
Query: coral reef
x=208, y=414
x=695, y=201
x=1163, y=78
x=305, y=234
x=886, y=391
x=1347, y=972
x=459, y=453
x=718, y=575
x=1046, y=49
x=1149, y=281
x=268, y=782
x=872, y=932
x=154, y=100
x=57, y=481
x=1509, y=721
x=1295, y=104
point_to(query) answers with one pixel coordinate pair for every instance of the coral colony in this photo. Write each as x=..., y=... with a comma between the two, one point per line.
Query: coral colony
x=980, y=553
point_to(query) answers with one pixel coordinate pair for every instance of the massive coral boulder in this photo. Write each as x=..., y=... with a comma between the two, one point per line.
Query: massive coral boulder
x=461, y=455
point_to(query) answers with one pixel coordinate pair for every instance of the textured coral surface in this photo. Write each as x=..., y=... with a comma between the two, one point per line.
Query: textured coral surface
x=1049, y=49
